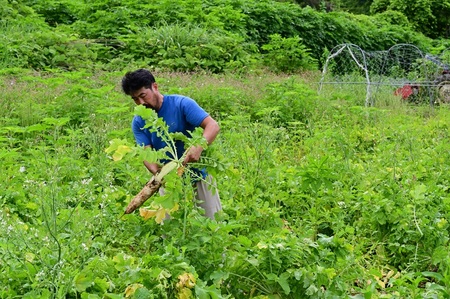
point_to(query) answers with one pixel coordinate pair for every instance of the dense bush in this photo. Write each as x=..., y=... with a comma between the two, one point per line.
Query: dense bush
x=287, y=55
x=29, y=43
x=187, y=47
x=429, y=17
x=187, y=35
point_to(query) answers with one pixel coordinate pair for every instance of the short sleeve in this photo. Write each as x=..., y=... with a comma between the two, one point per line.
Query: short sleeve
x=193, y=112
x=142, y=139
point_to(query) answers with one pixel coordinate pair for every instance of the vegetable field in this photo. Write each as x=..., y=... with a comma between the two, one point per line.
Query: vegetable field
x=322, y=197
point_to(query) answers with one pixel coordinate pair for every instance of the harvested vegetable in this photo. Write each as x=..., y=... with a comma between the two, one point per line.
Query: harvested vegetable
x=151, y=187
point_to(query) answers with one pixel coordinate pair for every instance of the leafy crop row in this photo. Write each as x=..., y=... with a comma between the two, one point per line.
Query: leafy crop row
x=322, y=198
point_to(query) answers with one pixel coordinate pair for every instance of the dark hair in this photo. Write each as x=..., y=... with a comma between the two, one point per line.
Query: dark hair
x=133, y=81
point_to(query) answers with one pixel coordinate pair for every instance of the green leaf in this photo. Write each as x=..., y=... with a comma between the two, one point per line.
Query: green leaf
x=83, y=281
x=119, y=148
x=283, y=281
x=145, y=113
x=120, y=152
x=36, y=128
x=32, y=205
x=419, y=192
x=311, y=290
x=246, y=242
x=112, y=296
x=89, y=296
x=142, y=293
x=150, y=155
x=208, y=292
x=272, y=276
x=219, y=276
x=114, y=144
x=101, y=284
x=59, y=122
x=434, y=275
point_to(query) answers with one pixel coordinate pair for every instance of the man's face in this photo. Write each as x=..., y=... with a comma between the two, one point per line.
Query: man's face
x=147, y=97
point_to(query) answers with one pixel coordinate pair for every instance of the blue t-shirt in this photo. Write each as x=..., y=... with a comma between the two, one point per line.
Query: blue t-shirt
x=180, y=113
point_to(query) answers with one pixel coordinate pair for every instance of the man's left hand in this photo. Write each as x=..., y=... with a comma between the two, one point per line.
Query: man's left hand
x=193, y=154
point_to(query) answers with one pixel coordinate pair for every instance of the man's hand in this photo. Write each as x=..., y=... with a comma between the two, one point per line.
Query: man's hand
x=193, y=154
x=152, y=167
x=210, y=131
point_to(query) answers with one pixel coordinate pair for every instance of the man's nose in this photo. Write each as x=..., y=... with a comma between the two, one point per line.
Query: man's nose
x=139, y=101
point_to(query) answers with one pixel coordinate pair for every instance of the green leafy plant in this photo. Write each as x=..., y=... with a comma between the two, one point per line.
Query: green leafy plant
x=321, y=196
x=287, y=55
x=286, y=103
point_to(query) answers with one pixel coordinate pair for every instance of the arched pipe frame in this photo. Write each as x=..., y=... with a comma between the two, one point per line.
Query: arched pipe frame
x=390, y=55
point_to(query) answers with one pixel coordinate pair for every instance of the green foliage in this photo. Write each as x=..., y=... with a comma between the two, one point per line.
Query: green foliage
x=424, y=15
x=56, y=12
x=187, y=48
x=287, y=55
x=393, y=17
x=352, y=6
x=10, y=10
x=221, y=101
x=322, y=197
x=266, y=18
x=285, y=104
x=109, y=24
x=29, y=43
x=215, y=35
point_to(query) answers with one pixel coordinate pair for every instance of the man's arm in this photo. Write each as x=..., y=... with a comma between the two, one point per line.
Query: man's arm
x=210, y=130
x=152, y=167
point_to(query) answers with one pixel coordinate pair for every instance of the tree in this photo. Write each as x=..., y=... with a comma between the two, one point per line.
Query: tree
x=352, y=6
x=427, y=16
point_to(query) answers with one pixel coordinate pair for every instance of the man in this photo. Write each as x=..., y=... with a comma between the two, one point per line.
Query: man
x=181, y=114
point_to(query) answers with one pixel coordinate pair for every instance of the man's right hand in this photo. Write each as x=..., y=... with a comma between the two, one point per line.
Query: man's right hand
x=154, y=168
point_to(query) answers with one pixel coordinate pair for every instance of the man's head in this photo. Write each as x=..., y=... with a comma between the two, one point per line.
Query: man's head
x=142, y=88
x=133, y=81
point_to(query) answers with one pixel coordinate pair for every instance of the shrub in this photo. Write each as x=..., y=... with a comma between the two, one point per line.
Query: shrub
x=287, y=55
x=188, y=47
x=285, y=103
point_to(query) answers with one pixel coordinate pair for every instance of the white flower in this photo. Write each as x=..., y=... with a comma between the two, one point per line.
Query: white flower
x=40, y=275
x=22, y=169
x=341, y=204
x=86, y=181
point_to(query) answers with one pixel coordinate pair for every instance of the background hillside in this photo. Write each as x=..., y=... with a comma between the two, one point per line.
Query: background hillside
x=214, y=35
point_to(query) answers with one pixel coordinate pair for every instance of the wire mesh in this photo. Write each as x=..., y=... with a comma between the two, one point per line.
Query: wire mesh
x=402, y=71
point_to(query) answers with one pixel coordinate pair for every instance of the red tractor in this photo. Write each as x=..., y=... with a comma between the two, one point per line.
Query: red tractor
x=438, y=89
